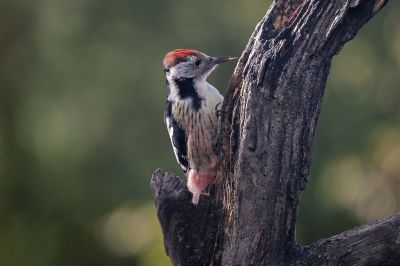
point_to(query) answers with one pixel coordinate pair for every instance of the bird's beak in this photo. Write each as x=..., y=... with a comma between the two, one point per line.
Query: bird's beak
x=222, y=59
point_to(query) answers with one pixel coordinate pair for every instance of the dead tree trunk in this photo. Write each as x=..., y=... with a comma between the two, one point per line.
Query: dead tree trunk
x=266, y=133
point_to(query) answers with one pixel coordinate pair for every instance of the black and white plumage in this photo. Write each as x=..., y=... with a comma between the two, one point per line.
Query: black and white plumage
x=190, y=115
x=178, y=138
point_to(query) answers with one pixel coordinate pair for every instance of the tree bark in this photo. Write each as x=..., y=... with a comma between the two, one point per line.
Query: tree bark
x=266, y=132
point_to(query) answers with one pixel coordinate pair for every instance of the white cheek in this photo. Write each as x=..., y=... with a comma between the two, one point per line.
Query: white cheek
x=182, y=70
x=173, y=72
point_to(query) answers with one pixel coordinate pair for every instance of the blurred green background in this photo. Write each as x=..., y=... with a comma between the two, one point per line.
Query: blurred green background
x=81, y=105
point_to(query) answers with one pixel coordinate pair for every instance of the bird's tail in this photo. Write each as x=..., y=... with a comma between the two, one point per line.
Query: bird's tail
x=197, y=182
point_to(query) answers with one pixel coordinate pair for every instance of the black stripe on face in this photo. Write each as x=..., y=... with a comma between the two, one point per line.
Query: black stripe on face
x=186, y=90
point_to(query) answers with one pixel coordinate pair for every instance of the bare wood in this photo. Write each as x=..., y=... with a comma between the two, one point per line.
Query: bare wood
x=266, y=133
x=190, y=232
x=377, y=243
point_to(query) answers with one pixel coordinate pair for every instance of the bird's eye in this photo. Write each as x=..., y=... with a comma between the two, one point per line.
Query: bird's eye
x=197, y=62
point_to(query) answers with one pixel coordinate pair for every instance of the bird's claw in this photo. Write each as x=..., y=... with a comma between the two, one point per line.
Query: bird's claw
x=218, y=111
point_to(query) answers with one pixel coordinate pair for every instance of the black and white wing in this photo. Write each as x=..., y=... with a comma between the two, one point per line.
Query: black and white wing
x=178, y=138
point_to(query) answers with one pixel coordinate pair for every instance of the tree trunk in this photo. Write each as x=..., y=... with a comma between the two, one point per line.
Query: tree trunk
x=266, y=132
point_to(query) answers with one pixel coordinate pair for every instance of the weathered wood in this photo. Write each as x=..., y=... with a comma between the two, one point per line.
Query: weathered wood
x=266, y=132
x=190, y=231
x=377, y=243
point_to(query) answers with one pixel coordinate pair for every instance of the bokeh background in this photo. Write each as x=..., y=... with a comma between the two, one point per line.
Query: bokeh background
x=81, y=104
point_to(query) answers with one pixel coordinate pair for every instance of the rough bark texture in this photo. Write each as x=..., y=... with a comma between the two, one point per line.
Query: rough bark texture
x=266, y=131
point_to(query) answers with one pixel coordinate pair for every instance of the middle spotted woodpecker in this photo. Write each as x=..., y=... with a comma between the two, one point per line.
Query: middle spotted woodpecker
x=190, y=115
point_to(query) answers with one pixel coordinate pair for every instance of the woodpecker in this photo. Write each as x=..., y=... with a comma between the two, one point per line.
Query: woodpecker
x=191, y=115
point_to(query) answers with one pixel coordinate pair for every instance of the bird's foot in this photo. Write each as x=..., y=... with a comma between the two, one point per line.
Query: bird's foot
x=217, y=110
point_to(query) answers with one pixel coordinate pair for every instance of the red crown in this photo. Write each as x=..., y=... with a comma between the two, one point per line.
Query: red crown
x=178, y=55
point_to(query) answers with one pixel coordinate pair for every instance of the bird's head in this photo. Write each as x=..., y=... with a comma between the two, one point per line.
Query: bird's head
x=186, y=63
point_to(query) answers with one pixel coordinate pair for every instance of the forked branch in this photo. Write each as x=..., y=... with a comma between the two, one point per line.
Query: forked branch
x=266, y=132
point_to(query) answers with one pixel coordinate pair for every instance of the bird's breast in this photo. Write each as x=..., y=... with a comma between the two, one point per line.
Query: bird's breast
x=189, y=118
x=200, y=127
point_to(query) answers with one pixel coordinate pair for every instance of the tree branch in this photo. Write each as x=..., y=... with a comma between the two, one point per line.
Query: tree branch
x=377, y=243
x=266, y=132
x=190, y=232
